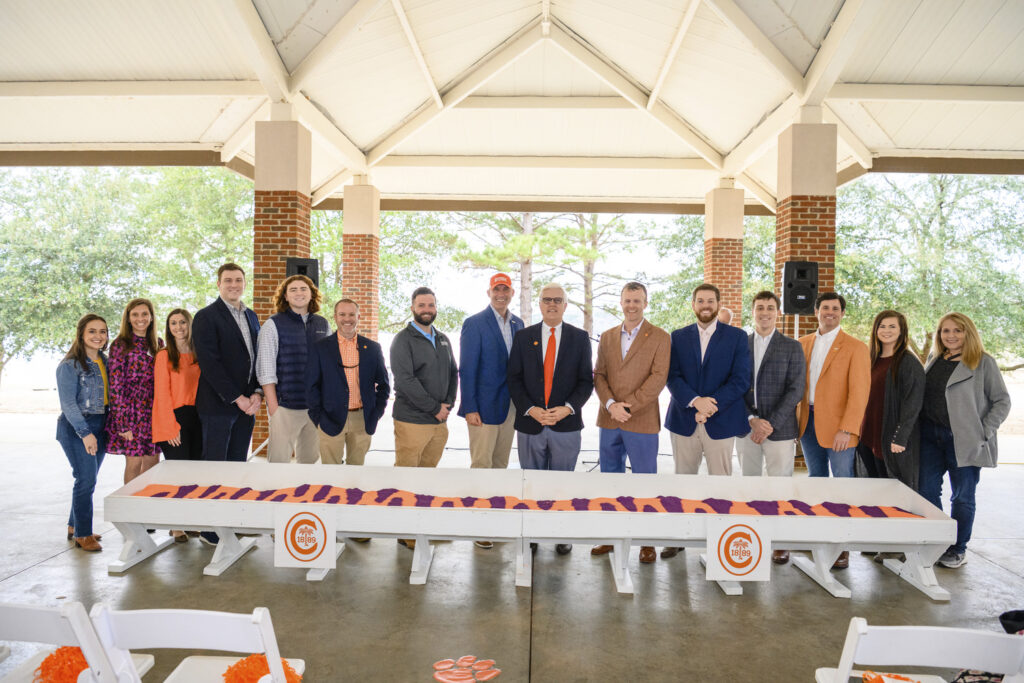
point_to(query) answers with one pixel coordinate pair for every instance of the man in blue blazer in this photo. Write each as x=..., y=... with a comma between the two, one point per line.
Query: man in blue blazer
x=484, y=347
x=347, y=389
x=708, y=375
x=228, y=398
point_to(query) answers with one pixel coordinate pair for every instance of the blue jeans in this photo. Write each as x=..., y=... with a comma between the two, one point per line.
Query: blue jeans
x=227, y=437
x=819, y=459
x=84, y=467
x=642, y=450
x=937, y=458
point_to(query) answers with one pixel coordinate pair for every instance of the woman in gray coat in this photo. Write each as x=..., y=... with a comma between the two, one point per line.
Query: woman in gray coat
x=889, y=438
x=965, y=401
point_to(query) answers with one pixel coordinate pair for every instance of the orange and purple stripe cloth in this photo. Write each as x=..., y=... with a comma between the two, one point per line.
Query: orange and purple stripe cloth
x=334, y=495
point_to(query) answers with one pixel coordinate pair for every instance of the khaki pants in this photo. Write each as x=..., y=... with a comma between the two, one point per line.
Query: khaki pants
x=292, y=430
x=490, y=445
x=777, y=457
x=687, y=452
x=419, y=445
x=352, y=437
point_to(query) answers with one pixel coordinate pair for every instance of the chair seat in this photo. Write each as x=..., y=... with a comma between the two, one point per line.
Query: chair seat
x=200, y=669
x=25, y=672
x=825, y=675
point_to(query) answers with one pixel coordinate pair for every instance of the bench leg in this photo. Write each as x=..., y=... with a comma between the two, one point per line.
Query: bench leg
x=321, y=573
x=524, y=563
x=728, y=587
x=619, y=558
x=422, y=555
x=918, y=574
x=228, y=551
x=138, y=546
x=819, y=568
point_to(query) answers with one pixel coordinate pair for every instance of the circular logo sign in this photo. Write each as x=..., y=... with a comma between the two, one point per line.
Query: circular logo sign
x=305, y=536
x=739, y=550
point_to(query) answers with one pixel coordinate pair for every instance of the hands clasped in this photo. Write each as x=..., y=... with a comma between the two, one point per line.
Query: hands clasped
x=551, y=416
x=705, y=407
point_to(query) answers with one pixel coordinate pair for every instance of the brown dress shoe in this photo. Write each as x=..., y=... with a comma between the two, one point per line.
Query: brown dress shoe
x=601, y=550
x=843, y=561
x=89, y=544
x=71, y=534
x=409, y=543
x=780, y=556
x=647, y=554
x=669, y=552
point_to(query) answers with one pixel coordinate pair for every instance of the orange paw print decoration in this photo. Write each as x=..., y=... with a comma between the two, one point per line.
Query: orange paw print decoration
x=465, y=669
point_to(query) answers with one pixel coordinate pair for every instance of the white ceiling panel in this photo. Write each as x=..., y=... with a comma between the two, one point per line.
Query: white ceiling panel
x=531, y=132
x=796, y=27
x=58, y=40
x=545, y=71
x=297, y=27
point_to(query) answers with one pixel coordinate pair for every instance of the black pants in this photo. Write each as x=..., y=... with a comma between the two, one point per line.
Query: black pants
x=227, y=437
x=875, y=466
x=191, y=447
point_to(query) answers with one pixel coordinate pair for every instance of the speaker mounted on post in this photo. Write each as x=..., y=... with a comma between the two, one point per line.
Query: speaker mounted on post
x=309, y=267
x=799, y=287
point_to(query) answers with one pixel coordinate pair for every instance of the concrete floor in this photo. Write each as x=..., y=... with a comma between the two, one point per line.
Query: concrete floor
x=366, y=622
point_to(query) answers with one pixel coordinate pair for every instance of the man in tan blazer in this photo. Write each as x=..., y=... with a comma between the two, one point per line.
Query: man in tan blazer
x=632, y=367
x=838, y=384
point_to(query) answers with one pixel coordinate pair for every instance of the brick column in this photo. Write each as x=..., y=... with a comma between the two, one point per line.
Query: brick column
x=723, y=246
x=360, y=257
x=281, y=215
x=805, y=219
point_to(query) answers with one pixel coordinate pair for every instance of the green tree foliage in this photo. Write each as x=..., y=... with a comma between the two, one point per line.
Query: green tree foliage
x=70, y=243
x=681, y=243
x=927, y=245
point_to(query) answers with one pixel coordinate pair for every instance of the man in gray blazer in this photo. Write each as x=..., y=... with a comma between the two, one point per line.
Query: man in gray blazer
x=779, y=373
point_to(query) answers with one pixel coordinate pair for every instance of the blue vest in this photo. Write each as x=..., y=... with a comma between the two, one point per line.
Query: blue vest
x=294, y=340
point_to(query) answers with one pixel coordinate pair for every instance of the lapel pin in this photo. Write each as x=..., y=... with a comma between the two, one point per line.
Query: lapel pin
x=536, y=343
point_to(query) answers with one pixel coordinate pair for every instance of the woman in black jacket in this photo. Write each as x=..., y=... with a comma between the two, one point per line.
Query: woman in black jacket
x=890, y=438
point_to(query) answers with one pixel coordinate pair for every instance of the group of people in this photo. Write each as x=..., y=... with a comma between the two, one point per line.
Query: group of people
x=868, y=409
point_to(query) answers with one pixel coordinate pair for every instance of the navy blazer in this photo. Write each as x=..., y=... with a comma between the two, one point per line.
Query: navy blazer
x=483, y=366
x=780, y=385
x=327, y=387
x=724, y=375
x=225, y=369
x=572, y=384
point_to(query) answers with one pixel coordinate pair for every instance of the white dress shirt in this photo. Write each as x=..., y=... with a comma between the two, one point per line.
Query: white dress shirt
x=705, y=334
x=626, y=339
x=545, y=334
x=822, y=345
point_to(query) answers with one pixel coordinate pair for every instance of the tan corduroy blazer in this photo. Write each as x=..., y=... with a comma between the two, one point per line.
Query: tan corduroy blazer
x=636, y=379
x=841, y=395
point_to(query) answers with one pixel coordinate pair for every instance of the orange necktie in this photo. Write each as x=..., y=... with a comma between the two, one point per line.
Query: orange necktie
x=549, y=367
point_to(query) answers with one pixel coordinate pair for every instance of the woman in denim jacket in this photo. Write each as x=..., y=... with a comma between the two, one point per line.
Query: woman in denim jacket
x=83, y=390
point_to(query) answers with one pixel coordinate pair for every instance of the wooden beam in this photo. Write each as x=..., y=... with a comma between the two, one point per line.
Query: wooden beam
x=414, y=45
x=849, y=173
x=259, y=49
x=573, y=163
x=853, y=21
x=546, y=103
x=110, y=157
x=758, y=191
x=912, y=92
x=670, y=56
x=328, y=45
x=323, y=126
x=246, y=132
x=132, y=89
x=326, y=189
x=949, y=164
x=614, y=79
x=729, y=12
x=860, y=151
x=762, y=137
x=479, y=74
x=538, y=205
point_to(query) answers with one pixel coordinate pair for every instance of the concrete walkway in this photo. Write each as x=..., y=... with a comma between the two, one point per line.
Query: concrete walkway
x=366, y=622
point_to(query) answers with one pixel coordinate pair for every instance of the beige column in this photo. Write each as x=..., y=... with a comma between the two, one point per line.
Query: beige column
x=723, y=245
x=360, y=262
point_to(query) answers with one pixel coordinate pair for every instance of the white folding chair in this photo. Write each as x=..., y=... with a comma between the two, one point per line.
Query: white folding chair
x=184, y=629
x=926, y=646
x=67, y=625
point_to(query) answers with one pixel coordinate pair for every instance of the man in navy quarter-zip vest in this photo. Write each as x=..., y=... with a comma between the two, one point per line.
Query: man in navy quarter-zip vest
x=285, y=345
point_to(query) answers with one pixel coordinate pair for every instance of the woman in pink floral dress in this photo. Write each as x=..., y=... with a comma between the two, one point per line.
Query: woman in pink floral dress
x=130, y=422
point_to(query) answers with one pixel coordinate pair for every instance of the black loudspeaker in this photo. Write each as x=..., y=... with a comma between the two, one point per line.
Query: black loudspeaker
x=799, y=287
x=309, y=267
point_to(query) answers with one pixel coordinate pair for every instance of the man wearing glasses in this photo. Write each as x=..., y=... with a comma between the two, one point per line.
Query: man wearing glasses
x=347, y=389
x=550, y=377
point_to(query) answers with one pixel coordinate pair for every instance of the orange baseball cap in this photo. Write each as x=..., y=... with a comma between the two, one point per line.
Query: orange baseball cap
x=501, y=279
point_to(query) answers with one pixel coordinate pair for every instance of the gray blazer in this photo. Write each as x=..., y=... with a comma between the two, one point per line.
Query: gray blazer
x=978, y=403
x=780, y=385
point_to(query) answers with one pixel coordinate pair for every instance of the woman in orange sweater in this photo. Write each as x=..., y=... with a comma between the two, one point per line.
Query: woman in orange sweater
x=176, y=427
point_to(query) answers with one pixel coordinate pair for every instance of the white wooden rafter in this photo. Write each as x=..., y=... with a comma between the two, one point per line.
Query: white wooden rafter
x=853, y=21
x=547, y=162
x=414, y=45
x=910, y=92
x=759, y=191
x=479, y=74
x=353, y=20
x=237, y=141
x=544, y=102
x=327, y=188
x=762, y=137
x=673, y=50
x=318, y=122
x=221, y=88
x=260, y=50
x=857, y=147
x=731, y=13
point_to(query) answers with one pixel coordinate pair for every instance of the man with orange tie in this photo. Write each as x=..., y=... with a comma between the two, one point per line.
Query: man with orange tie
x=550, y=377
